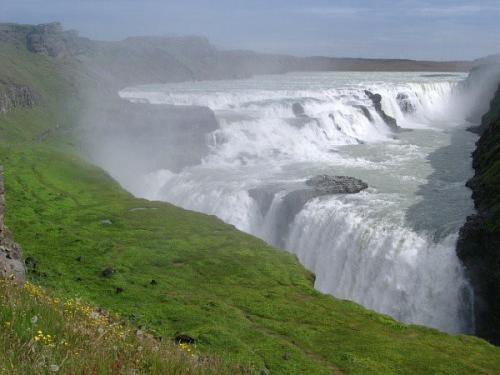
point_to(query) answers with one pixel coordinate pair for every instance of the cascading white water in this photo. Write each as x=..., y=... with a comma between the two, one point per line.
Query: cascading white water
x=391, y=247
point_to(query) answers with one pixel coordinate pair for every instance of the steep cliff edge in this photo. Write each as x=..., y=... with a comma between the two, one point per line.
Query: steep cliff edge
x=479, y=242
x=11, y=265
x=16, y=96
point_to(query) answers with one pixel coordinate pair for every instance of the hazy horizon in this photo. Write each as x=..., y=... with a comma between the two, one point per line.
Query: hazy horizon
x=409, y=29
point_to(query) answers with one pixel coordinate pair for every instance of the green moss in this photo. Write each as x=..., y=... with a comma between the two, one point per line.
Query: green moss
x=244, y=300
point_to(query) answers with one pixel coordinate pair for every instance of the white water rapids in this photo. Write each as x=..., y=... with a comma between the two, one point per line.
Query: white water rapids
x=391, y=247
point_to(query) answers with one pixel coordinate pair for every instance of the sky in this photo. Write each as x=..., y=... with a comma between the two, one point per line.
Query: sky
x=423, y=29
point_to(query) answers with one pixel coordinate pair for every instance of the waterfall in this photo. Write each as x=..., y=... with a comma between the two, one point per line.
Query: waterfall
x=277, y=131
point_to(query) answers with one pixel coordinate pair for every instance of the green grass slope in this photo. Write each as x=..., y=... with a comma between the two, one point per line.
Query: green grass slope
x=41, y=334
x=243, y=300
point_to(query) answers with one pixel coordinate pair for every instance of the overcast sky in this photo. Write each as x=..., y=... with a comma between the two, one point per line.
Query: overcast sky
x=424, y=29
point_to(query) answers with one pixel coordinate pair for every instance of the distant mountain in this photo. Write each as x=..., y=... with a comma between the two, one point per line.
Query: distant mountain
x=141, y=60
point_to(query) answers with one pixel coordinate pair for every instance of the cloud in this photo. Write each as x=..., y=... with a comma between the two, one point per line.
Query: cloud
x=457, y=10
x=331, y=11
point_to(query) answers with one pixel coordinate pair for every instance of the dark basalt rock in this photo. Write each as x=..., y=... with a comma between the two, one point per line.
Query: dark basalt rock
x=298, y=110
x=405, y=103
x=479, y=250
x=107, y=272
x=184, y=339
x=478, y=245
x=31, y=263
x=324, y=184
x=377, y=104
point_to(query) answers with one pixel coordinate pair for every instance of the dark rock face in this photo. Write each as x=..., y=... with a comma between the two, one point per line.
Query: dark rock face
x=46, y=39
x=479, y=250
x=49, y=39
x=478, y=246
x=405, y=103
x=377, y=103
x=16, y=96
x=11, y=264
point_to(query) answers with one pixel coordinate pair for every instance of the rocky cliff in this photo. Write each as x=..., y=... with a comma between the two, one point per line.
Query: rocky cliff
x=11, y=265
x=479, y=242
x=49, y=38
x=16, y=96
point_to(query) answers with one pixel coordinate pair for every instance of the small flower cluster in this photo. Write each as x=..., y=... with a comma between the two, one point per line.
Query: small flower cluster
x=185, y=347
x=74, y=305
x=44, y=339
x=35, y=290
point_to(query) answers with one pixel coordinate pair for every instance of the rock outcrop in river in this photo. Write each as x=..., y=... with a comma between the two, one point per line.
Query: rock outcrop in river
x=292, y=202
x=377, y=104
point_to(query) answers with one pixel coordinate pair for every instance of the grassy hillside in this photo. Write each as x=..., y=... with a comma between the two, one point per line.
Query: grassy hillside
x=176, y=271
x=42, y=334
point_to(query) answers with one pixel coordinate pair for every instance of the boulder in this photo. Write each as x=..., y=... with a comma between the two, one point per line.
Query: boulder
x=11, y=268
x=184, y=339
x=107, y=272
x=324, y=184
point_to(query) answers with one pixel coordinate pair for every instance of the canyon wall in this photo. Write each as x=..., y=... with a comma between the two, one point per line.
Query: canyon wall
x=479, y=242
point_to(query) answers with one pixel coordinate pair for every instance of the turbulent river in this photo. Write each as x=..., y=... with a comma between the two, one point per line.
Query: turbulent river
x=391, y=247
